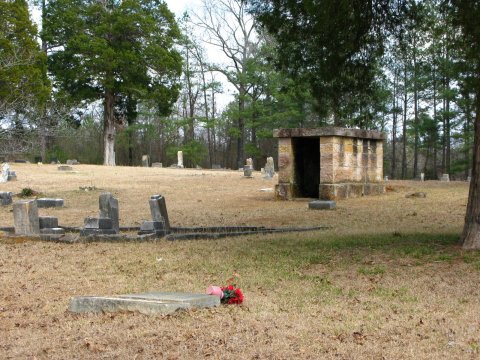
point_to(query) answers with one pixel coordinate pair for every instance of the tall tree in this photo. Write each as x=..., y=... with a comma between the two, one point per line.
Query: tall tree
x=465, y=15
x=109, y=49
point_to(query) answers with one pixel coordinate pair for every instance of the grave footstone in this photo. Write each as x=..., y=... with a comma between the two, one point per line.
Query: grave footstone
x=50, y=203
x=322, y=205
x=5, y=198
x=180, y=159
x=145, y=161
x=146, y=303
x=109, y=209
x=64, y=168
x=25, y=217
x=157, y=165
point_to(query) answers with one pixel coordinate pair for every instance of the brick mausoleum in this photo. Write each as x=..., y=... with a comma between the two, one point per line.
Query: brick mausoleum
x=329, y=163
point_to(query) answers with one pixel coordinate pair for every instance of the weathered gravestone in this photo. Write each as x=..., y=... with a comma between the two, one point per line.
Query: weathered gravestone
x=247, y=171
x=5, y=198
x=445, y=177
x=64, y=168
x=160, y=225
x=109, y=209
x=322, y=205
x=5, y=173
x=49, y=203
x=145, y=161
x=157, y=165
x=72, y=162
x=180, y=159
x=269, y=168
x=49, y=225
x=422, y=176
x=25, y=217
x=146, y=303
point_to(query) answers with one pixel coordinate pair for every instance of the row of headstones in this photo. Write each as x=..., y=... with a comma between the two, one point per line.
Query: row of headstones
x=268, y=171
x=27, y=222
x=6, y=198
x=7, y=174
x=146, y=161
x=445, y=177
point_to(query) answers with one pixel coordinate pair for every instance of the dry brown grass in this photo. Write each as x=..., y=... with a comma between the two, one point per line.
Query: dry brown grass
x=387, y=281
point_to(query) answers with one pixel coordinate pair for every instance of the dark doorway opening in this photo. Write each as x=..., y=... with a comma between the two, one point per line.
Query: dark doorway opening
x=306, y=152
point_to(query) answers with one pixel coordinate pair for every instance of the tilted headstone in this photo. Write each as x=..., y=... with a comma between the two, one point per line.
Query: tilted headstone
x=5, y=173
x=445, y=177
x=145, y=161
x=269, y=168
x=180, y=159
x=158, y=209
x=109, y=209
x=25, y=217
x=5, y=198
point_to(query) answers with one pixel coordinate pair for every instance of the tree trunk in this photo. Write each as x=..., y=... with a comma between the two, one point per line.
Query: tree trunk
x=415, y=110
x=404, y=135
x=471, y=229
x=109, y=129
x=241, y=128
x=394, y=127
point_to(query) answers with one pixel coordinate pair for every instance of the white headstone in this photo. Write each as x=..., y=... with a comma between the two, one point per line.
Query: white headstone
x=269, y=168
x=180, y=159
x=249, y=162
x=445, y=177
x=422, y=177
x=5, y=173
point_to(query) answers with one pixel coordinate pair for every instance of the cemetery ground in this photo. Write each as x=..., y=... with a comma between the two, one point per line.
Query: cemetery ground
x=388, y=279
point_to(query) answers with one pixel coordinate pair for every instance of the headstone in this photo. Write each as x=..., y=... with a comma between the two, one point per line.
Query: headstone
x=445, y=177
x=49, y=203
x=269, y=168
x=158, y=209
x=25, y=217
x=157, y=165
x=216, y=166
x=64, y=168
x=422, y=177
x=180, y=159
x=47, y=222
x=469, y=178
x=109, y=209
x=5, y=198
x=249, y=161
x=322, y=205
x=147, y=303
x=145, y=161
x=385, y=178
x=72, y=162
x=247, y=171
x=98, y=223
x=12, y=176
x=5, y=173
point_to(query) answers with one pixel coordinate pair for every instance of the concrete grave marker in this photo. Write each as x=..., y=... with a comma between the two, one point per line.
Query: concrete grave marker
x=64, y=168
x=422, y=177
x=322, y=205
x=146, y=303
x=269, y=168
x=25, y=217
x=145, y=161
x=160, y=225
x=5, y=173
x=180, y=159
x=445, y=177
x=49, y=203
x=157, y=165
x=5, y=198
x=247, y=171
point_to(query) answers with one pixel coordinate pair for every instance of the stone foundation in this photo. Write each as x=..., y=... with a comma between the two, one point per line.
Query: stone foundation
x=349, y=190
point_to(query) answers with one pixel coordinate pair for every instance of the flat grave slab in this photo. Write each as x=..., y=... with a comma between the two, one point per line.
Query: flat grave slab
x=147, y=303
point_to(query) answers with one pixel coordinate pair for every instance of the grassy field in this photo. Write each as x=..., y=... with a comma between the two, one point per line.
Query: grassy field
x=388, y=280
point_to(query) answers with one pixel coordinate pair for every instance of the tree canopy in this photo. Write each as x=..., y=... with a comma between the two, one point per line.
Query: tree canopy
x=108, y=50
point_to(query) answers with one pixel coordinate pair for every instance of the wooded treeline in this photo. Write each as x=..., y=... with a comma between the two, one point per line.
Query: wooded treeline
x=113, y=80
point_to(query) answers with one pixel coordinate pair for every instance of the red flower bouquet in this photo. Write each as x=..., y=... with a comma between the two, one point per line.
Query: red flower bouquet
x=231, y=295
x=228, y=294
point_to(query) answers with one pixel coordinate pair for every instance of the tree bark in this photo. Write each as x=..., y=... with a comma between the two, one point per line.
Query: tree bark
x=404, y=135
x=241, y=128
x=471, y=229
x=109, y=129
